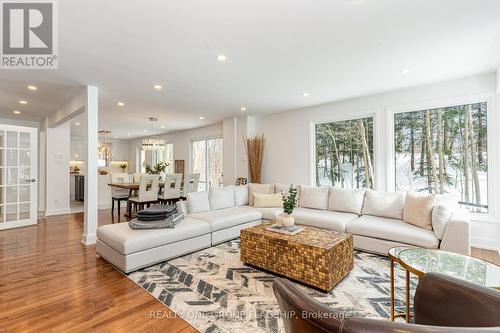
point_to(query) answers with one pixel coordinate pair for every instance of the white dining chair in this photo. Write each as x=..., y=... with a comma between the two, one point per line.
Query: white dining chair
x=118, y=194
x=172, y=188
x=137, y=177
x=148, y=192
x=191, y=181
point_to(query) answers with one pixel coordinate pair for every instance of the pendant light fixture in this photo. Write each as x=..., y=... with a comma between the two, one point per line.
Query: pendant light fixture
x=153, y=142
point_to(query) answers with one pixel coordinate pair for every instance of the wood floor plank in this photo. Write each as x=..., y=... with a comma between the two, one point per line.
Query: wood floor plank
x=50, y=282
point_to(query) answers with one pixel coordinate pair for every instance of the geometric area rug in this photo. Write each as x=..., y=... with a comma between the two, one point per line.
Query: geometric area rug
x=215, y=292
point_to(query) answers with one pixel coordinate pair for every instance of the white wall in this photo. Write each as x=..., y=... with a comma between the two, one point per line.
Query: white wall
x=288, y=153
x=181, y=141
x=57, y=181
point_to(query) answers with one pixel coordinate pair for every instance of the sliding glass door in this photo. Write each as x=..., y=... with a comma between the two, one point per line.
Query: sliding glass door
x=18, y=172
x=206, y=159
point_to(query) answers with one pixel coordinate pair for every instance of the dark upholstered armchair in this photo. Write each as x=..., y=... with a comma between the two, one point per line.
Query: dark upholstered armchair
x=442, y=304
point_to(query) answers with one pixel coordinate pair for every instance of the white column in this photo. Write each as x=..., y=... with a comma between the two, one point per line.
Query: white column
x=90, y=214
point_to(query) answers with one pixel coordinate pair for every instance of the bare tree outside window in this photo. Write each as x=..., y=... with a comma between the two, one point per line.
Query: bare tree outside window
x=344, y=153
x=206, y=159
x=444, y=151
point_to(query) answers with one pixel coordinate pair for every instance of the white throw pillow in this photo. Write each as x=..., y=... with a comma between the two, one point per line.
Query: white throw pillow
x=259, y=188
x=442, y=213
x=221, y=197
x=314, y=197
x=346, y=200
x=281, y=188
x=241, y=195
x=418, y=209
x=267, y=200
x=384, y=204
x=197, y=202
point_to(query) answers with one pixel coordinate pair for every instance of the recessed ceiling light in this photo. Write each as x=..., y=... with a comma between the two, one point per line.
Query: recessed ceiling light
x=23, y=102
x=405, y=71
x=201, y=118
x=121, y=104
x=77, y=124
x=128, y=134
x=17, y=112
x=221, y=58
x=243, y=108
x=115, y=137
x=162, y=127
x=145, y=131
x=157, y=87
x=32, y=87
x=306, y=94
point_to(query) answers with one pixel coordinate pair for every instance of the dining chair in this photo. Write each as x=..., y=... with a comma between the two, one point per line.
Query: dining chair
x=147, y=194
x=118, y=194
x=171, y=189
x=191, y=181
x=137, y=177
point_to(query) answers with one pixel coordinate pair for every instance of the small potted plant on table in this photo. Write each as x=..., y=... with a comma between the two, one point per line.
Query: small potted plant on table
x=289, y=203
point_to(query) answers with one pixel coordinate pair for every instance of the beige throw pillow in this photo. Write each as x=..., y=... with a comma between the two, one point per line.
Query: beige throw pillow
x=267, y=200
x=258, y=188
x=418, y=209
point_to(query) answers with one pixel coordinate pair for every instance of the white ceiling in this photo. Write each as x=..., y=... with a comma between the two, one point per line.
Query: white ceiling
x=276, y=49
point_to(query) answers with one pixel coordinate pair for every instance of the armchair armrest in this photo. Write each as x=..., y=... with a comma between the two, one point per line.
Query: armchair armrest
x=441, y=300
x=457, y=235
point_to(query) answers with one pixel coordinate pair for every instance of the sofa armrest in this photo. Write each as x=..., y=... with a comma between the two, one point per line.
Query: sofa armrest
x=182, y=206
x=457, y=235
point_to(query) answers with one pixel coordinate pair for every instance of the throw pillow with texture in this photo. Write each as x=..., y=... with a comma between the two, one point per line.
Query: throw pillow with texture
x=384, y=204
x=418, y=209
x=346, y=200
x=314, y=197
x=258, y=188
x=267, y=200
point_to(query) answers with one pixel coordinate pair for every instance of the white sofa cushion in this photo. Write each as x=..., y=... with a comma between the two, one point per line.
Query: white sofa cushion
x=393, y=230
x=258, y=188
x=221, y=197
x=268, y=213
x=323, y=218
x=281, y=188
x=441, y=216
x=346, y=200
x=241, y=195
x=384, y=204
x=197, y=202
x=314, y=197
x=120, y=237
x=229, y=217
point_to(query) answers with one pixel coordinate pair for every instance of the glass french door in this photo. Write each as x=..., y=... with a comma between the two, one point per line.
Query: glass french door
x=18, y=172
x=206, y=159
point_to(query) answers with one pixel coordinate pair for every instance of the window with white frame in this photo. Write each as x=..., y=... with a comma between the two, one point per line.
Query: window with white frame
x=140, y=157
x=165, y=155
x=444, y=150
x=206, y=159
x=344, y=153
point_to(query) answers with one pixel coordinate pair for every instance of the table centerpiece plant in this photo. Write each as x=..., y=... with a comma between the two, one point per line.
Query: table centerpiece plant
x=156, y=169
x=286, y=219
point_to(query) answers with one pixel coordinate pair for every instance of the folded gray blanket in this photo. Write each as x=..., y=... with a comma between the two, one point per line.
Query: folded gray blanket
x=169, y=222
x=158, y=209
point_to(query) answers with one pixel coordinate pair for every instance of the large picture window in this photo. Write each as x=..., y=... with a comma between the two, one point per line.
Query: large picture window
x=444, y=151
x=206, y=159
x=165, y=155
x=344, y=153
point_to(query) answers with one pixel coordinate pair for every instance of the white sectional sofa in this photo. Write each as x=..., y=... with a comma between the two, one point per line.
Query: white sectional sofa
x=374, y=218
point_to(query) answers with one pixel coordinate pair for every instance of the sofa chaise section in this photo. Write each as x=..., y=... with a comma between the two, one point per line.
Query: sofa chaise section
x=130, y=250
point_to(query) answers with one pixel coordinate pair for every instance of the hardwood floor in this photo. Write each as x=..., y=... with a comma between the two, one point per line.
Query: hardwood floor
x=49, y=282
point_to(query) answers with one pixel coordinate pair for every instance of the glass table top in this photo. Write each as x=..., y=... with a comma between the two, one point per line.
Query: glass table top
x=421, y=261
x=395, y=251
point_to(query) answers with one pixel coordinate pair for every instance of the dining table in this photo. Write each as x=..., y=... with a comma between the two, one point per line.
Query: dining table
x=133, y=187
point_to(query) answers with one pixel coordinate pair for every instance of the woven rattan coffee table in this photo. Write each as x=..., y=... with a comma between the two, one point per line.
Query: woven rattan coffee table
x=316, y=257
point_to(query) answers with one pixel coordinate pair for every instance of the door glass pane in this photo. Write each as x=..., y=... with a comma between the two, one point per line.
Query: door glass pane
x=12, y=157
x=199, y=162
x=24, y=174
x=2, y=140
x=24, y=158
x=24, y=140
x=24, y=211
x=11, y=212
x=2, y=213
x=11, y=194
x=11, y=139
x=24, y=193
x=12, y=176
x=215, y=162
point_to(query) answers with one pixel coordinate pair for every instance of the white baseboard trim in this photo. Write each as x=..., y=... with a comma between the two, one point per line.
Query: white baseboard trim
x=485, y=243
x=89, y=239
x=60, y=211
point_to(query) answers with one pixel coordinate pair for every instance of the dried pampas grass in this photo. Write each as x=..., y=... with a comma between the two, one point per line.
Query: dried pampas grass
x=255, y=153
